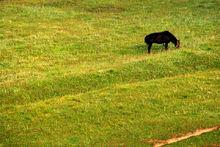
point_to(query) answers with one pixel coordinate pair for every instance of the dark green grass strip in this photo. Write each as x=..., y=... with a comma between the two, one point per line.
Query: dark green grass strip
x=180, y=63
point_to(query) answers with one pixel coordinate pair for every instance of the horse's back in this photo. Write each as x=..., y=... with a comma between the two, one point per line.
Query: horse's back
x=158, y=37
x=151, y=37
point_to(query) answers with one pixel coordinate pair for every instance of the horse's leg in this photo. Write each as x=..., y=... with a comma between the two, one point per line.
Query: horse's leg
x=163, y=46
x=166, y=46
x=149, y=47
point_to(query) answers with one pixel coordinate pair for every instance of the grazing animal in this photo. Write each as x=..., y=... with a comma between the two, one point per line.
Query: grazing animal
x=161, y=38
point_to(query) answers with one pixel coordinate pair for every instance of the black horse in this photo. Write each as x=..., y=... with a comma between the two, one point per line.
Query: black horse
x=161, y=38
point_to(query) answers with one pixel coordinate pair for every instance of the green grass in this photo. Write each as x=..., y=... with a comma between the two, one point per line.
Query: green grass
x=77, y=72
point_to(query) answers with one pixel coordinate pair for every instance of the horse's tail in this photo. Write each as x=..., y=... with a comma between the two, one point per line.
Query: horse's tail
x=146, y=39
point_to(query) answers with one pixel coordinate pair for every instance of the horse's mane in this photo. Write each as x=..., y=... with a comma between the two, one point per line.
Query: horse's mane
x=170, y=34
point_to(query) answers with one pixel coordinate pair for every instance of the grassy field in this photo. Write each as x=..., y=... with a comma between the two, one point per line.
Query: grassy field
x=77, y=72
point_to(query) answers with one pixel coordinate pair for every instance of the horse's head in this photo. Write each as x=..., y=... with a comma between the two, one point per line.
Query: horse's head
x=177, y=44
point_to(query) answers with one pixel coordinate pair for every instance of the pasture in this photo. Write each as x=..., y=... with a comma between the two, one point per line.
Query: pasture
x=77, y=72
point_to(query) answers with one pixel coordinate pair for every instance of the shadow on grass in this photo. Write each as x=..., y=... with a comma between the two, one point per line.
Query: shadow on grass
x=140, y=49
x=157, y=48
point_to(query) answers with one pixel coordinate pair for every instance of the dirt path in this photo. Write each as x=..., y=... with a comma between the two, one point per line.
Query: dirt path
x=159, y=143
